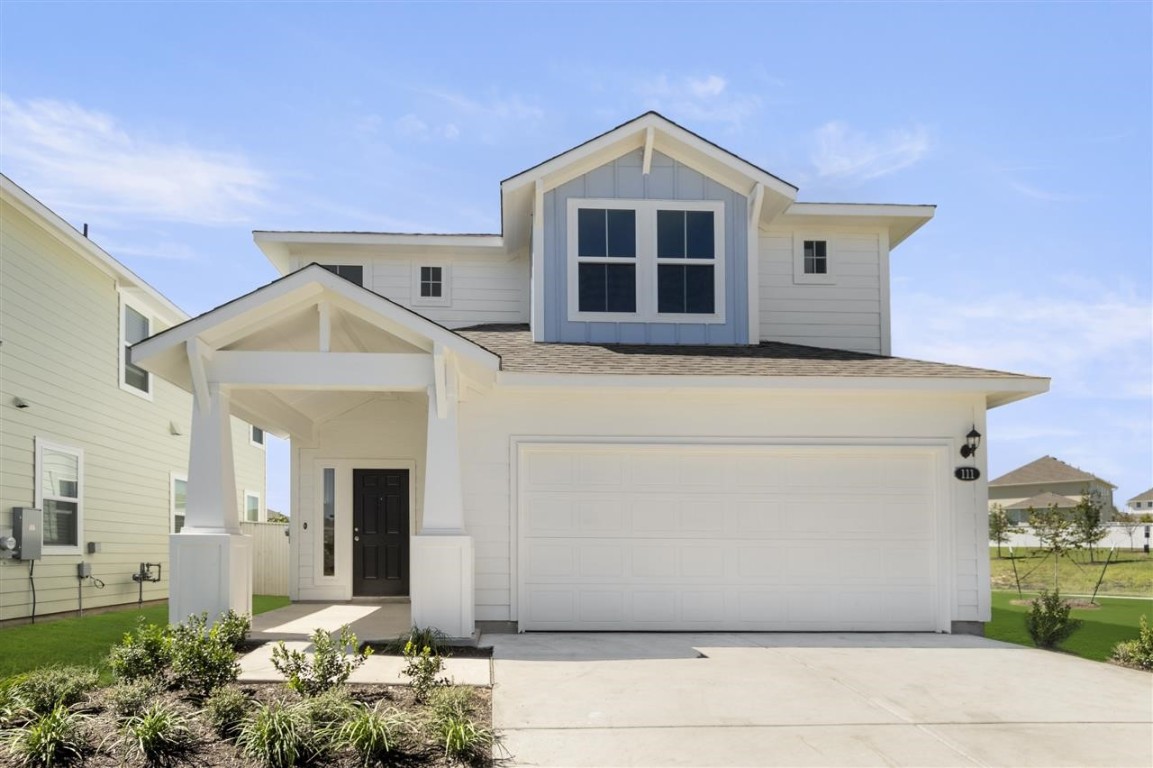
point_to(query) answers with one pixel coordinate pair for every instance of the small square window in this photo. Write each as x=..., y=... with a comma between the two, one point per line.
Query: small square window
x=251, y=507
x=431, y=282
x=816, y=257
x=256, y=436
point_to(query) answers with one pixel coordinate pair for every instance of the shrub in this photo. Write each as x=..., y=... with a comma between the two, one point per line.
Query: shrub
x=158, y=735
x=13, y=710
x=145, y=653
x=232, y=629
x=452, y=700
x=422, y=668
x=51, y=739
x=277, y=736
x=42, y=690
x=461, y=737
x=129, y=699
x=226, y=709
x=329, y=666
x=201, y=660
x=1136, y=653
x=327, y=710
x=373, y=734
x=421, y=637
x=1048, y=620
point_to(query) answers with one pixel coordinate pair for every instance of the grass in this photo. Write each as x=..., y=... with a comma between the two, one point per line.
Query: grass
x=1130, y=573
x=85, y=641
x=1101, y=629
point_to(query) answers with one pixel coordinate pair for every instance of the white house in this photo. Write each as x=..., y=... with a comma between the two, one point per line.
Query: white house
x=662, y=398
x=96, y=443
x=1048, y=482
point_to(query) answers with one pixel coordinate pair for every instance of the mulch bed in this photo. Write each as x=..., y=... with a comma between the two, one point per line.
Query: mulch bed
x=446, y=651
x=210, y=751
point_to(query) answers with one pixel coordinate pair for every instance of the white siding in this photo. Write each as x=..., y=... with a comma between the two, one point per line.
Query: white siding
x=492, y=424
x=493, y=290
x=845, y=313
x=59, y=319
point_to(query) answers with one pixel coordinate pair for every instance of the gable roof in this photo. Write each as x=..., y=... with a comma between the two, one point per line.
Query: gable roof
x=1146, y=496
x=1044, y=501
x=768, y=360
x=1047, y=470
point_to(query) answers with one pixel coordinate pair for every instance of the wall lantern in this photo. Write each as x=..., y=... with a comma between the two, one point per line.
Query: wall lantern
x=972, y=442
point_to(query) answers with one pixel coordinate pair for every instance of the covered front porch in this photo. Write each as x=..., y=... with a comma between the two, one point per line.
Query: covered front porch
x=368, y=393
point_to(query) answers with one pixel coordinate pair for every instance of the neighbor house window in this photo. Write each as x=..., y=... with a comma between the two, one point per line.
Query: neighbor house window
x=256, y=436
x=354, y=273
x=135, y=326
x=816, y=257
x=329, y=523
x=646, y=261
x=251, y=507
x=179, y=501
x=59, y=485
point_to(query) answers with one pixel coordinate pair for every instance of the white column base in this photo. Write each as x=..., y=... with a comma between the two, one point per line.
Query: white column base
x=209, y=573
x=441, y=583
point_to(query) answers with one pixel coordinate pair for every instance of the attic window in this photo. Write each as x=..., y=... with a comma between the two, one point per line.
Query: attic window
x=816, y=257
x=431, y=285
x=431, y=282
x=353, y=273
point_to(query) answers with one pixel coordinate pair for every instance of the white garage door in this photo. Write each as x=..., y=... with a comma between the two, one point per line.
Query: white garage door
x=634, y=537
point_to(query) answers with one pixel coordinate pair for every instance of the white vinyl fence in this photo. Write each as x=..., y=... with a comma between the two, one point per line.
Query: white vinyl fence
x=269, y=557
x=1117, y=537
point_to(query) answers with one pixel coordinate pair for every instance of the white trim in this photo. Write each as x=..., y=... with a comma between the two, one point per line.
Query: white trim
x=124, y=356
x=445, y=297
x=753, y=262
x=360, y=371
x=647, y=162
x=646, y=261
x=940, y=450
x=339, y=585
x=800, y=277
x=172, y=478
x=886, y=290
x=39, y=498
x=252, y=428
x=536, y=273
x=260, y=513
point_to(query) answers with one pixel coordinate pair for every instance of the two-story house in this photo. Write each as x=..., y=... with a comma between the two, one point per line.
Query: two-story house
x=661, y=399
x=96, y=443
x=1048, y=483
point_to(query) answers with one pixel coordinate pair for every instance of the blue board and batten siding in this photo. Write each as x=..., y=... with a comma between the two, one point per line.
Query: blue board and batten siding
x=667, y=180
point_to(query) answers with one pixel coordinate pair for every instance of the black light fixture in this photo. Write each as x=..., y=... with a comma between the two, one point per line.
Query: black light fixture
x=972, y=442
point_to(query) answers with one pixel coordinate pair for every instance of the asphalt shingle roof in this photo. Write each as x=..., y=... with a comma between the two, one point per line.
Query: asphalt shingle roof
x=1046, y=470
x=519, y=353
x=1044, y=501
x=1146, y=496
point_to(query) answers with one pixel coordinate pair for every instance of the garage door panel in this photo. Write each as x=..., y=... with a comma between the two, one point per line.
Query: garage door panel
x=812, y=538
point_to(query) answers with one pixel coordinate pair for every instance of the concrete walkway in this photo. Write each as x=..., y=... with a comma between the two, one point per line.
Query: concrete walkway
x=370, y=622
x=812, y=700
x=256, y=666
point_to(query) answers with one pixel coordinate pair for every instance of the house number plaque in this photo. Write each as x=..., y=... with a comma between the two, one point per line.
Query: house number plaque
x=968, y=474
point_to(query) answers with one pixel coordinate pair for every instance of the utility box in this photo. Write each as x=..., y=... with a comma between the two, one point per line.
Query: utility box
x=83, y=570
x=28, y=529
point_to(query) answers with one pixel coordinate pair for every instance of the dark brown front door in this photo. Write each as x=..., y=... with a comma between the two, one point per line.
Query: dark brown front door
x=379, y=532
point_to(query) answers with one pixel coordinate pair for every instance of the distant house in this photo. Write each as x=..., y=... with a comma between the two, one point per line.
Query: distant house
x=1045, y=483
x=1142, y=503
x=98, y=444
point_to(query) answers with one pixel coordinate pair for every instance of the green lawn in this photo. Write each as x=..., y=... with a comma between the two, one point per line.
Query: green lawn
x=1130, y=573
x=84, y=641
x=1114, y=621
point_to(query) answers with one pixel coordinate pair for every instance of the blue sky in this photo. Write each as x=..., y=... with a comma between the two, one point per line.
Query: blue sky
x=176, y=129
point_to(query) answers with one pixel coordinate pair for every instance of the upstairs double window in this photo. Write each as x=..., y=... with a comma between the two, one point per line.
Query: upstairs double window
x=646, y=261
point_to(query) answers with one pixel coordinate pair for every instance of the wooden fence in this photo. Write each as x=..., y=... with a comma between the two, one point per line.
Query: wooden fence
x=269, y=557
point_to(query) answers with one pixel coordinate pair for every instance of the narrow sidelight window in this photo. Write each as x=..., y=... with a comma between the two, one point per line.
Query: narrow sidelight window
x=329, y=511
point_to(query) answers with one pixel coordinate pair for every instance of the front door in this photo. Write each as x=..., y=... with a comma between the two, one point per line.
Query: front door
x=379, y=532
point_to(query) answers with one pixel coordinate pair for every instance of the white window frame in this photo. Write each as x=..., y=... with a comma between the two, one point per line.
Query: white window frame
x=800, y=277
x=646, y=261
x=39, y=498
x=252, y=436
x=445, y=297
x=172, y=478
x=122, y=357
x=259, y=506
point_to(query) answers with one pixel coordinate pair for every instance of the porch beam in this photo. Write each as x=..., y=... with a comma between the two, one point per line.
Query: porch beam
x=196, y=364
x=322, y=370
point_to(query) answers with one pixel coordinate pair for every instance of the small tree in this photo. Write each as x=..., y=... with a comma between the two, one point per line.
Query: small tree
x=1000, y=527
x=1088, y=528
x=1130, y=524
x=1054, y=531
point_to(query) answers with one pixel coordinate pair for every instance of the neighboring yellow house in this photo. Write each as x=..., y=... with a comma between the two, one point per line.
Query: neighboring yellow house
x=99, y=445
x=1142, y=503
x=1047, y=482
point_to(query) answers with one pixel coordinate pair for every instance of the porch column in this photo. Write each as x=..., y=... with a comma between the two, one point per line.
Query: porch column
x=210, y=560
x=441, y=584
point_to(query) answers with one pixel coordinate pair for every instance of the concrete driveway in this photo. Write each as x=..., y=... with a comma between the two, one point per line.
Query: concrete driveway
x=585, y=699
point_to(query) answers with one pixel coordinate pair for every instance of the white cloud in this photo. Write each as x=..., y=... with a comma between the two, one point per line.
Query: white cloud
x=1091, y=347
x=412, y=127
x=847, y=155
x=87, y=161
x=451, y=115
x=706, y=99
